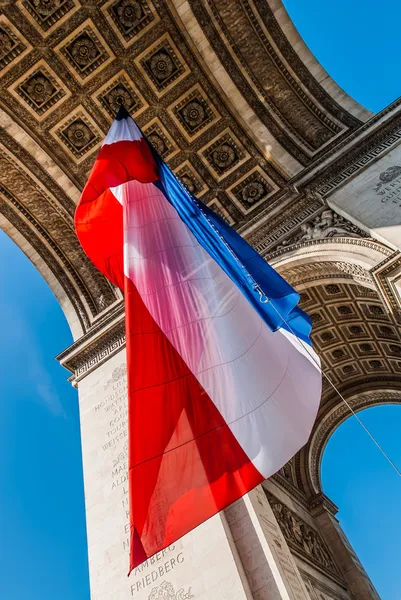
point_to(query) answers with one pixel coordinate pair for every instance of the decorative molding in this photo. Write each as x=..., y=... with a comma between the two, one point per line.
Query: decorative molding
x=194, y=113
x=303, y=540
x=130, y=19
x=374, y=141
x=117, y=91
x=328, y=224
x=253, y=56
x=78, y=134
x=252, y=190
x=41, y=89
x=323, y=271
x=162, y=64
x=85, y=51
x=48, y=15
x=315, y=586
x=265, y=238
x=103, y=340
x=327, y=424
x=387, y=276
x=13, y=45
x=224, y=154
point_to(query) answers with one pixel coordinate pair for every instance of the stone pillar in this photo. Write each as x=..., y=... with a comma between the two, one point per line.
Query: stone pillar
x=213, y=562
x=267, y=562
x=359, y=584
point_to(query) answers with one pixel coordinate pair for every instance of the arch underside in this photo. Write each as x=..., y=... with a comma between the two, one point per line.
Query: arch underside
x=227, y=93
x=355, y=334
x=233, y=100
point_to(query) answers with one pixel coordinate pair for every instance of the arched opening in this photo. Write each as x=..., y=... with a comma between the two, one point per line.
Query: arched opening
x=356, y=335
x=367, y=490
x=43, y=545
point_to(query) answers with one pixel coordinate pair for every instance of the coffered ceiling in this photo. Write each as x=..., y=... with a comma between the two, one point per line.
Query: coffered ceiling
x=226, y=91
x=66, y=65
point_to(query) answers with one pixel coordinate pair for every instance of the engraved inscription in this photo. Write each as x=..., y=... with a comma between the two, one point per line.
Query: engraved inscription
x=389, y=186
x=114, y=447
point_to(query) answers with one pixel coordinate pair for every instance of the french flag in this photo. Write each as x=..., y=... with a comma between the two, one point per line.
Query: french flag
x=223, y=383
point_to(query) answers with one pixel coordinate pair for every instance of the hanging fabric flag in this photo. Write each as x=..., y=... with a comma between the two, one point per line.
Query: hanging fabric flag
x=223, y=383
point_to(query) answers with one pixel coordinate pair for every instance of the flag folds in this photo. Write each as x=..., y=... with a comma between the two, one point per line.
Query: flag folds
x=223, y=384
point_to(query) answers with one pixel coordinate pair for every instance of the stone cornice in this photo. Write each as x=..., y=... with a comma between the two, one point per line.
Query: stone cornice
x=375, y=138
x=105, y=338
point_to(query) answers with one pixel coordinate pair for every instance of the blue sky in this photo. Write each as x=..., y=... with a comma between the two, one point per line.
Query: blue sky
x=43, y=539
x=357, y=42
x=43, y=544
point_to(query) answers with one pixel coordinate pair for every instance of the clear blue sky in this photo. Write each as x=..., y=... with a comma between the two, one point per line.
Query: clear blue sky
x=43, y=545
x=42, y=525
x=357, y=42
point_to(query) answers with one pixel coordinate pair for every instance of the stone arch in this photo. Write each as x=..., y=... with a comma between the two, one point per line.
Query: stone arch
x=336, y=415
x=37, y=203
x=355, y=334
x=364, y=254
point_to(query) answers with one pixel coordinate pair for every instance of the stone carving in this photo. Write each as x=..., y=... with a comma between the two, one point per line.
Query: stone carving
x=39, y=88
x=301, y=537
x=118, y=96
x=189, y=183
x=345, y=310
x=327, y=270
x=332, y=289
x=223, y=154
x=326, y=225
x=190, y=179
x=131, y=17
x=387, y=176
x=44, y=8
x=10, y=46
x=38, y=219
x=193, y=114
x=219, y=209
x=283, y=225
x=97, y=352
x=158, y=144
x=129, y=12
x=160, y=140
x=85, y=53
x=386, y=331
x=376, y=364
x=120, y=91
x=165, y=591
x=268, y=85
x=40, y=91
x=78, y=135
x=252, y=191
x=6, y=42
x=162, y=65
x=117, y=374
x=48, y=12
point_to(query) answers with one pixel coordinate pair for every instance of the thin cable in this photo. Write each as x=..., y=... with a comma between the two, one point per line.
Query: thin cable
x=306, y=347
